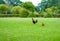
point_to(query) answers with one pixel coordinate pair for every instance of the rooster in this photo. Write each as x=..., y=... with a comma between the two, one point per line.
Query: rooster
x=34, y=21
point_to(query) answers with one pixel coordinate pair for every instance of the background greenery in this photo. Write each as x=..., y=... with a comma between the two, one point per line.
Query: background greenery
x=47, y=8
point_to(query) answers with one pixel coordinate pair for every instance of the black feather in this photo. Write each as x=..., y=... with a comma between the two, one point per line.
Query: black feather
x=34, y=21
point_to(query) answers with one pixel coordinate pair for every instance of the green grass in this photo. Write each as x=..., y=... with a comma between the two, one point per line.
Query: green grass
x=22, y=29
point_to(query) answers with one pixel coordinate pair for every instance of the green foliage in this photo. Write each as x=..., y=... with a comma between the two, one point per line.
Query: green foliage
x=48, y=16
x=36, y=13
x=16, y=10
x=48, y=3
x=58, y=11
x=24, y=12
x=11, y=2
x=9, y=15
x=42, y=14
x=2, y=2
x=29, y=6
x=21, y=11
x=33, y=14
x=3, y=8
x=49, y=10
x=54, y=9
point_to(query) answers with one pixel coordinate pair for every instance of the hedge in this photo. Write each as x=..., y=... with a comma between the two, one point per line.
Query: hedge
x=9, y=15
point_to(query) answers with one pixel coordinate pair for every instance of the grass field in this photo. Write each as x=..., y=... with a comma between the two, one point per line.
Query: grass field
x=22, y=29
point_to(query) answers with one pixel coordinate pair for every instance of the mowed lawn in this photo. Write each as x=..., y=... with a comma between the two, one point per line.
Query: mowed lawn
x=22, y=29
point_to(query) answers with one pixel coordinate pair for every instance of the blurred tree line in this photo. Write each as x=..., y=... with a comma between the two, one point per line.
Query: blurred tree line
x=47, y=8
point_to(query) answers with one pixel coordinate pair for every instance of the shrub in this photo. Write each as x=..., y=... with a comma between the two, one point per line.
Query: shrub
x=3, y=8
x=16, y=10
x=48, y=16
x=9, y=15
x=32, y=15
x=24, y=13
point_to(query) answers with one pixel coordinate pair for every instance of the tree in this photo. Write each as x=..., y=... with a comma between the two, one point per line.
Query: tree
x=3, y=8
x=24, y=12
x=54, y=9
x=19, y=10
x=16, y=10
x=29, y=6
x=50, y=11
x=13, y=2
x=2, y=2
x=48, y=3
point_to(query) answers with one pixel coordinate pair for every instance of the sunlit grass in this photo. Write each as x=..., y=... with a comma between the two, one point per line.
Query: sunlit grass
x=22, y=29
